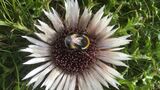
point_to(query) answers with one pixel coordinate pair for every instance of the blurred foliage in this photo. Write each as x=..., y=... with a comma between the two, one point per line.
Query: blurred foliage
x=140, y=18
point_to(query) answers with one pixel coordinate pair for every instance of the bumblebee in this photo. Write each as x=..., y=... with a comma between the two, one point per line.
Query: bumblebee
x=77, y=41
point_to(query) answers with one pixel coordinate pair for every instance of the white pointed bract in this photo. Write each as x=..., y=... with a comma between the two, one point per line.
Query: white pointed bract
x=61, y=68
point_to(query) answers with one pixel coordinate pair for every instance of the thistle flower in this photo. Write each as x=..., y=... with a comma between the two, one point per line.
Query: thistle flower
x=77, y=53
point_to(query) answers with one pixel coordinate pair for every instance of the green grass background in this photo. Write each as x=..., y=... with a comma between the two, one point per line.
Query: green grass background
x=140, y=18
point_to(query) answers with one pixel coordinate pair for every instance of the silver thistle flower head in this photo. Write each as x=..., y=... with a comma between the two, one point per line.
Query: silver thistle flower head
x=77, y=53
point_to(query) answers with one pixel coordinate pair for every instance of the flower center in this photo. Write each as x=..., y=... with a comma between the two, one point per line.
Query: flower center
x=73, y=53
x=77, y=41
